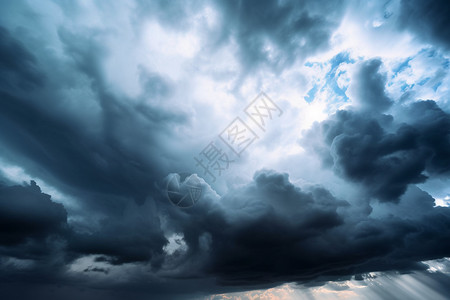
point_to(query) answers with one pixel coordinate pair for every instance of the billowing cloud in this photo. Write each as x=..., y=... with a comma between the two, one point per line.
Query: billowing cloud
x=369, y=87
x=383, y=155
x=99, y=159
x=272, y=231
x=267, y=232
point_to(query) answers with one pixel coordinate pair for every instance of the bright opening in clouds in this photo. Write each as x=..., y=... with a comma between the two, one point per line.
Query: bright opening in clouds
x=208, y=149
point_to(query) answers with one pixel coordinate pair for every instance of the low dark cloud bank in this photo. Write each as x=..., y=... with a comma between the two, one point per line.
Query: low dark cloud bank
x=29, y=217
x=265, y=233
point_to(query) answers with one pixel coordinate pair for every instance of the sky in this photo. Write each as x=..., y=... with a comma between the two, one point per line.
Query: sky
x=214, y=150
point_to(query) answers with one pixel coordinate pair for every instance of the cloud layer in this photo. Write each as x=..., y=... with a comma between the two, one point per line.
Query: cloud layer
x=99, y=103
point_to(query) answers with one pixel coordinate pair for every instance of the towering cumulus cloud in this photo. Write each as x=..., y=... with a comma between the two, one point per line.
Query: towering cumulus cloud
x=344, y=191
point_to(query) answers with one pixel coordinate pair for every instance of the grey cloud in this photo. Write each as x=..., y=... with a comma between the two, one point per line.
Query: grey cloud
x=428, y=19
x=104, y=163
x=368, y=88
x=175, y=14
x=18, y=67
x=294, y=29
x=433, y=126
x=105, y=167
x=33, y=231
x=271, y=231
x=132, y=237
x=110, y=154
x=383, y=156
x=29, y=216
x=34, y=228
x=383, y=153
x=269, y=34
x=359, y=148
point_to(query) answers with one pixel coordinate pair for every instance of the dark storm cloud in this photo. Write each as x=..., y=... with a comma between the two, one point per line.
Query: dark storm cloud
x=271, y=231
x=31, y=224
x=384, y=153
x=107, y=169
x=369, y=87
x=273, y=34
x=132, y=238
x=37, y=245
x=121, y=159
x=107, y=163
x=433, y=127
x=28, y=217
x=428, y=19
x=359, y=148
x=383, y=156
x=292, y=29
x=33, y=232
x=18, y=66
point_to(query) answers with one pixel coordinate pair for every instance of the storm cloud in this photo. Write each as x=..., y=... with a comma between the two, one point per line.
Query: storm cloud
x=429, y=20
x=382, y=153
x=29, y=216
x=99, y=103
